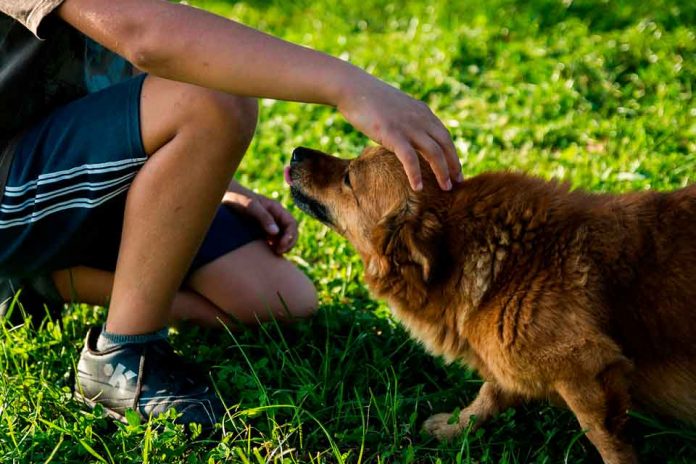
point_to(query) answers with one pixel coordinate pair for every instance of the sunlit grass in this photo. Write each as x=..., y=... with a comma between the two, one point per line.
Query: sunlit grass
x=598, y=93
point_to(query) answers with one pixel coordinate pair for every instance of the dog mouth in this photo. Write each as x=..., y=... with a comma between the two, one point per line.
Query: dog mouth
x=310, y=206
x=303, y=201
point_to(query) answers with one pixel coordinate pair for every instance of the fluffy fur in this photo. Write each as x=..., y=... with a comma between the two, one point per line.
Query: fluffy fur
x=546, y=292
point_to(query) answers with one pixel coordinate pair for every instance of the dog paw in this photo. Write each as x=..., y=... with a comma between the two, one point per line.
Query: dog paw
x=439, y=426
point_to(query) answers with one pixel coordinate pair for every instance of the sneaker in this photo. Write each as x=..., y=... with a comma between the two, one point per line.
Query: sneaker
x=148, y=378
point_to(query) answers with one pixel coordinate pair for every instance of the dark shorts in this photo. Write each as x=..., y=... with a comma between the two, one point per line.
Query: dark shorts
x=65, y=196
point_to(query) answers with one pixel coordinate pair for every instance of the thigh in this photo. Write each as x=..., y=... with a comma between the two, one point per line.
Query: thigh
x=65, y=196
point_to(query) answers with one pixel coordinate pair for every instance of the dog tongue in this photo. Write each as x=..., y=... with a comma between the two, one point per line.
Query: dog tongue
x=286, y=174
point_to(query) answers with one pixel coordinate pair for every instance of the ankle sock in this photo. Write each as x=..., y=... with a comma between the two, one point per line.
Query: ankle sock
x=108, y=340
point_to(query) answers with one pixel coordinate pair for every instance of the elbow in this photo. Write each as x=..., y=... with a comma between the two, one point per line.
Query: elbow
x=146, y=53
x=126, y=28
x=145, y=44
x=140, y=57
x=152, y=46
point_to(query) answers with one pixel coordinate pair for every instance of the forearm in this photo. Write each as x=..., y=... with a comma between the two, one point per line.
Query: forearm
x=182, y=43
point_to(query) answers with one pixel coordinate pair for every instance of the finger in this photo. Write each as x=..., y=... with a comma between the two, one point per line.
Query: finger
x=291, y=235
x=287, y=223
x=432, y=152
x=409, y=159
x=289, y=227
x=265, y=218
x=282, y=217
x=444, y=139
x=289, y=239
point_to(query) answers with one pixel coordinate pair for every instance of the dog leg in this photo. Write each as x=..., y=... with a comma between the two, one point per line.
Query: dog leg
x=490, y=401
x=601, y=405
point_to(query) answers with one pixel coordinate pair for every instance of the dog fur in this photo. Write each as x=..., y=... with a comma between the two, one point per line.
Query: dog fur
x=546, y=292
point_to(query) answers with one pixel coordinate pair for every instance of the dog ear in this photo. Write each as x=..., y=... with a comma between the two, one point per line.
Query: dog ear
x=405, y=236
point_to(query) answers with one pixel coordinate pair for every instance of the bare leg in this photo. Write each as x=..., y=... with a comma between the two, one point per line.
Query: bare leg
x=601, y=405
x=254, y=284
x=491, y=400
x=93, y=286
x=195, y=139
x=245, y=282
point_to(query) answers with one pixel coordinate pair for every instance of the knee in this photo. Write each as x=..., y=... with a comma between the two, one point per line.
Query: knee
x=297, y=296
x=236, y=114
x=305, y=301
x=226, y=116
x=221, y=122
x=253, y=284
x=288, y=297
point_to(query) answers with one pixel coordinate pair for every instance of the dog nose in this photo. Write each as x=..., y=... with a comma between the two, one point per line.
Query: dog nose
x=299, y=154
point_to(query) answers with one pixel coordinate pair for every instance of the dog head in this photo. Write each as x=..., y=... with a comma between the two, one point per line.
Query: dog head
x=369, y=201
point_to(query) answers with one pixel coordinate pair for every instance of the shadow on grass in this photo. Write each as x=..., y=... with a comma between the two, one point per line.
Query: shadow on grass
x=346, y=386
x=357, y=383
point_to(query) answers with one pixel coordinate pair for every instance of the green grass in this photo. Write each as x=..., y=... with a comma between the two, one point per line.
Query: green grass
x=599, y=93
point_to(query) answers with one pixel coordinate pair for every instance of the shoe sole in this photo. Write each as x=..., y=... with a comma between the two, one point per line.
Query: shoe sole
x=208, y=431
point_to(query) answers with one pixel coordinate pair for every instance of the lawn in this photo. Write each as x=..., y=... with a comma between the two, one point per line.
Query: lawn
x=596, y=92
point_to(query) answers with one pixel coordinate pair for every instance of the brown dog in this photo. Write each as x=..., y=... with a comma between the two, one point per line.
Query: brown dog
x=590, y=298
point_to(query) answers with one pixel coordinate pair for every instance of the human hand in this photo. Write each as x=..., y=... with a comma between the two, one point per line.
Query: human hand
x=278, y=223
x=404, y=126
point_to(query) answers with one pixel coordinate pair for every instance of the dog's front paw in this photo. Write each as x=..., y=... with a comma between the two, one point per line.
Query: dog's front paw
x=440, y=426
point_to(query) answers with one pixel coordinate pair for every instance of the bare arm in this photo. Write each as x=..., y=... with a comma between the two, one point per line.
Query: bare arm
x=182, y=43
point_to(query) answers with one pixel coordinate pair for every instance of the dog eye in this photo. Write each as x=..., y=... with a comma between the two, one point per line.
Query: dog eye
x=346, y=179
